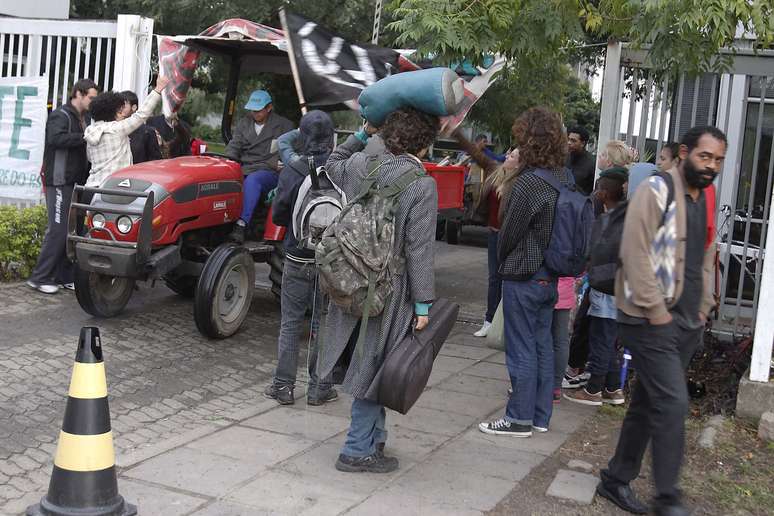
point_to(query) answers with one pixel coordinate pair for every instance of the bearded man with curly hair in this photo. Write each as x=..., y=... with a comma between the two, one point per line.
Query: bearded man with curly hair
x=529, y=289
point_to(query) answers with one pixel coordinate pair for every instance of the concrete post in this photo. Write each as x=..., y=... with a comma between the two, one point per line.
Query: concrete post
x=764, y=324
x=610, y=93
x=134, y=38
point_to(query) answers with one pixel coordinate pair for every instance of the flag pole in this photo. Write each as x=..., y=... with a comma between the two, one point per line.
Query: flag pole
x=292, y=56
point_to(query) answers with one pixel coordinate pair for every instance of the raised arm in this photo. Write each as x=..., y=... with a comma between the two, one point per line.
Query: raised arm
x=287, y=146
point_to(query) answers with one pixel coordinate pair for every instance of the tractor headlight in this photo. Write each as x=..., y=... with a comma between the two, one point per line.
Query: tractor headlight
x=124, y=224
x=98, y=220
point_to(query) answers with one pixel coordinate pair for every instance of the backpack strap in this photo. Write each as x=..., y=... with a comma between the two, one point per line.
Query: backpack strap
x=550, y=178
x=401, y=183
x=313, y=172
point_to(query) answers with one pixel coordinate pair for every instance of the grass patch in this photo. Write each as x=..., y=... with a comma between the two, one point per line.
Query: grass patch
x=736, y=475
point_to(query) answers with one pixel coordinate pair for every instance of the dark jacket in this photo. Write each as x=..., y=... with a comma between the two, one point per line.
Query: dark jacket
x=145, y=145
x=584, y=168
x=64, y=156
x=282, y=207
x=254, y=151
x=177, y=141
x=527, y=226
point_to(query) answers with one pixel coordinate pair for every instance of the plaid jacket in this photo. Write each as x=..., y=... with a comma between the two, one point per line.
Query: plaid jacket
x=107, y=143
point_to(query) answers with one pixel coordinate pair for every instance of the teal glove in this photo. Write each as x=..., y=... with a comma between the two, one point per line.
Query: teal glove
x=362, y=136
x=270, y=196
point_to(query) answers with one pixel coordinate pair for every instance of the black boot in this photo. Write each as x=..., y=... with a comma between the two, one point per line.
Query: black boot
x=237, y=234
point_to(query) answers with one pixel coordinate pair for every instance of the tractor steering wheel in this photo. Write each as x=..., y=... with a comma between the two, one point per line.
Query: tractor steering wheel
x=218, y=155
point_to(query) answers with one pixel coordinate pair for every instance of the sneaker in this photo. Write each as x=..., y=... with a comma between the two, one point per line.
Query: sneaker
x=557, y=396
x=282, y=394
x=372, y=464
x=503, y=427
x=539, y=429
x=46, y=289
x=67, y=286
x=615, y=397
x=584, y=397
x=484, y=330
x=325, y=397
x=574, y=380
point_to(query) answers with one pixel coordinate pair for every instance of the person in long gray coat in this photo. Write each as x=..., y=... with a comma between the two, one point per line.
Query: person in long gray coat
x=407, y=134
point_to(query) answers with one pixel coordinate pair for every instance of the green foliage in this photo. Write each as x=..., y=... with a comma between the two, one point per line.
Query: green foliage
x=540, y=84
x=21, y=234
x=682, y=34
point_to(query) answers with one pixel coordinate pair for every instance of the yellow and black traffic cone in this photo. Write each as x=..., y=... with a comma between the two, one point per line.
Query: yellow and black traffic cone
x=84, y=482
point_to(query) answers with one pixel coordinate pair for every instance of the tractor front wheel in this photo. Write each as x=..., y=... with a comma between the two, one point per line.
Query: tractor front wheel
x=102, y=295
x=224, y=292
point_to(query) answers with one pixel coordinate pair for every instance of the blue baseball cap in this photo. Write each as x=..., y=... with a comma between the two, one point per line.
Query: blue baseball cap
x=259, y=99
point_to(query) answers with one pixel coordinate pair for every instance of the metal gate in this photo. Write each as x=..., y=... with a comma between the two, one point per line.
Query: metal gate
x=647, y=113
x=64, y=51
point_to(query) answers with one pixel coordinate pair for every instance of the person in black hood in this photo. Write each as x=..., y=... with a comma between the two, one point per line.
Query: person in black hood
x=64, y=165
x=300, y=289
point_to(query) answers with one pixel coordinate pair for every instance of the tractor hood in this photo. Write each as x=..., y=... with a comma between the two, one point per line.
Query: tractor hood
x=185, y=179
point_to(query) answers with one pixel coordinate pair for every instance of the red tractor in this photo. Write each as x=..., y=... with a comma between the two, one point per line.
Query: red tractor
x=170, y=220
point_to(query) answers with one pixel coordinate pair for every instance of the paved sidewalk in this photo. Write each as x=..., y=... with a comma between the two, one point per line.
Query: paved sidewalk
x=266, y=459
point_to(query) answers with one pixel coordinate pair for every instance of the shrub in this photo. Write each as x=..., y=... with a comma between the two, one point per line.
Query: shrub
x=21, y=234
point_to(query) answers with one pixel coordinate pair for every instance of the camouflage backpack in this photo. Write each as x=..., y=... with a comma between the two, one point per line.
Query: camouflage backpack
x=356, y=258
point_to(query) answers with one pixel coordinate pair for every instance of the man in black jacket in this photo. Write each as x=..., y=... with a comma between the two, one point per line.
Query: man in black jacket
x=300, y=289
x=144, y=141
x=581, y=162
x=64, y=166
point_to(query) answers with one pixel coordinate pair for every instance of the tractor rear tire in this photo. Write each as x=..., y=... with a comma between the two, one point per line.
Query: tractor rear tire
x=182, y=285
x=277, y=264
x=440, y=230
x=224, y=292
x=102, y=295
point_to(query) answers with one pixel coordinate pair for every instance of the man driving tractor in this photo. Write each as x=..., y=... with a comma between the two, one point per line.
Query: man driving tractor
x=254, y=144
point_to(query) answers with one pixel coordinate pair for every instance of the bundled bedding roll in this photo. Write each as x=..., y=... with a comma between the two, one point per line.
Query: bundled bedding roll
x=436, y=91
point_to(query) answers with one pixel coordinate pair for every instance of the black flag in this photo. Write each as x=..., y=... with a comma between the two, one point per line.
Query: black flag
x=332, y=70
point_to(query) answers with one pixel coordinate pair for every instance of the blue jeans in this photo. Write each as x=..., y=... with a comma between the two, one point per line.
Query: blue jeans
x=300, y=292
x=529, y=350
x=366, y=429
x=256, y=184
x=604, y=365
x=494, y=291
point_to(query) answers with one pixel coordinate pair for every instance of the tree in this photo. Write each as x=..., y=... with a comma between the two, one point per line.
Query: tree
x=680, y=34
x=547, y=84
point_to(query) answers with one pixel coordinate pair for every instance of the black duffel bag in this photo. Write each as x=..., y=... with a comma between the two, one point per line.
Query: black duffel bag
x=405, y=372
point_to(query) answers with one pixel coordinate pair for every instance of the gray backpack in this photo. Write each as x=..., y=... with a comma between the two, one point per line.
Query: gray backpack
x=318, y=203
x=356, y=258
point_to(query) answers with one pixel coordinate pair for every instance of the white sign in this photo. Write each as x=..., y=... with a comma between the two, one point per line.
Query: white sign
x=23, y=117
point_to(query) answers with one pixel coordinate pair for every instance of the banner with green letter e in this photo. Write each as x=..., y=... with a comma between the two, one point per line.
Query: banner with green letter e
x=22, y=136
